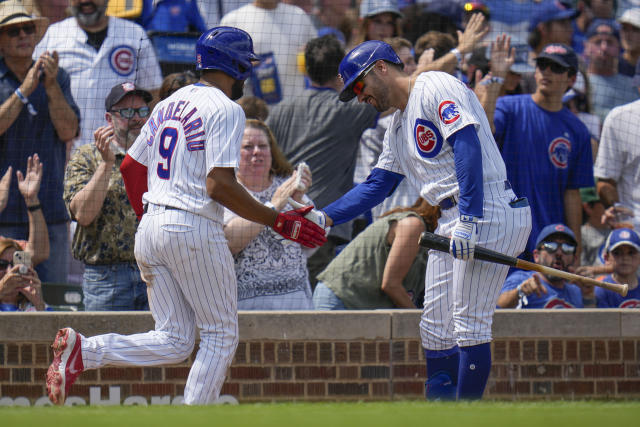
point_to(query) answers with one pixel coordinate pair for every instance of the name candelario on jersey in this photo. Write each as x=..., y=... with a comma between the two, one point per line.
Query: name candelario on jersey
x=191, y=123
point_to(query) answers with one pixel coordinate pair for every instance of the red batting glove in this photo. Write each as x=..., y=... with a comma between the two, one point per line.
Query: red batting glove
x=294, y=226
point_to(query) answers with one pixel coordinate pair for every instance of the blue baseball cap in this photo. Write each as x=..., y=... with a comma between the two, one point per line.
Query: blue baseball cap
x=551, y=11
x=560, y=53
x=552, y=229
x=603, y=26
x=622, y=236
x=369, y=8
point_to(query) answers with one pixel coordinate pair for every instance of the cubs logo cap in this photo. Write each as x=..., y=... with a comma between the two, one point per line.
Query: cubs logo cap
x=561, y=54
x=552, y=229
x=121, y=90
x=622, y=236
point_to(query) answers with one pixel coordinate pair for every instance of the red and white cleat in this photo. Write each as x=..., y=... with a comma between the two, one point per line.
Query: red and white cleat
x=66, y=366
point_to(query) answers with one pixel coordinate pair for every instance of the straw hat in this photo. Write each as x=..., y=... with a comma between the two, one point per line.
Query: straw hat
x=13, y=12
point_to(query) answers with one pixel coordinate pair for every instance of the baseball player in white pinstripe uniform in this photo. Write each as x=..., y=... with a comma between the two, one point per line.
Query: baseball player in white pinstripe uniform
x=186, y=153
x=440, y=140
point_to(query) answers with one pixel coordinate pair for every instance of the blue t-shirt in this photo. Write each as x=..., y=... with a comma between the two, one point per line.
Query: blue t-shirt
x=545, y=154
x=175, y=16
x=609, y=299
x=570, y=296
x=577, y=39
x=34, y=134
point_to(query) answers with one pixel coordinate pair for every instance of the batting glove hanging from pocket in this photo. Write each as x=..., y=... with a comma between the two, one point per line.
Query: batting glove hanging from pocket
x=294, y=226
x=464, y=237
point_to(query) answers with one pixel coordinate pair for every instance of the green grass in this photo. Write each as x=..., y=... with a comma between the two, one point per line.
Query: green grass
x=409, y=414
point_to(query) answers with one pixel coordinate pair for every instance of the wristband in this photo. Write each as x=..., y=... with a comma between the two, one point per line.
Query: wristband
x=26, y=102
x=34, y=207
x=270, y=206
x=492, y=80
x=457, y=53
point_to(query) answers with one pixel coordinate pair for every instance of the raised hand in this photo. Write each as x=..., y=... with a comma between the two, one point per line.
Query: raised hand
x=473, y=33
x=5, y=183
x=49, y=67
x=103, y=136
x=29, y=183
x=502, y=56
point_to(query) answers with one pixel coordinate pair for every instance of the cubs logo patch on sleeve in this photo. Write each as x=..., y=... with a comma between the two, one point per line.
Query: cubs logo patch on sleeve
x=428, y=138
x=448, y=112
x=559, y=151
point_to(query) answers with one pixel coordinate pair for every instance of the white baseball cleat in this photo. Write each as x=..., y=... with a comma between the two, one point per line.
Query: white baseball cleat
x=66, y=366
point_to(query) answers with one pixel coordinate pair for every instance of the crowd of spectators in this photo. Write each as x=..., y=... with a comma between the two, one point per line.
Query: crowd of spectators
x=558, y=80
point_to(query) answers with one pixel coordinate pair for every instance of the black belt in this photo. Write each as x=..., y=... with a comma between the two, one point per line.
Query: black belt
x=169, y=208
x=450, y=201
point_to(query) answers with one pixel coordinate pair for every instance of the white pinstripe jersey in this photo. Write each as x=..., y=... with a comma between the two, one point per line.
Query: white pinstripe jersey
x=187, y=135
x=415, y=144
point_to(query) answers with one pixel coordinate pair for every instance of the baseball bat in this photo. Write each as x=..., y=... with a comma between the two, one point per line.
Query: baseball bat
x=441, y=243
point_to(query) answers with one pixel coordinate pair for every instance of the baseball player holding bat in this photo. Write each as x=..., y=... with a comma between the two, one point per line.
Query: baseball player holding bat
x=440, y=140
x=186, y=153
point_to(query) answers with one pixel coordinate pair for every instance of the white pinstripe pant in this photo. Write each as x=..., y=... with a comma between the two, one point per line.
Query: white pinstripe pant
x=185, y=260
x=460, y=296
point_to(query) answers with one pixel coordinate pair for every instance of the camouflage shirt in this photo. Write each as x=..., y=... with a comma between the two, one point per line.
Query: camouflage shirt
x=110, y=238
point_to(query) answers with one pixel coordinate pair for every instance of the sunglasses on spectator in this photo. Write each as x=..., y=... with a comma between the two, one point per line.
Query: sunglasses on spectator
x=128, y=113
x=556, y=68
x=551, y=247
x=28, y=29
x=4, y=264
x=358, y=86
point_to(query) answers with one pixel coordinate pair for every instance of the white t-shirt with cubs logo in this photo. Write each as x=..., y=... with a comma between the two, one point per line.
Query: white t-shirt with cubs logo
x=416, y=146
x=125, y=55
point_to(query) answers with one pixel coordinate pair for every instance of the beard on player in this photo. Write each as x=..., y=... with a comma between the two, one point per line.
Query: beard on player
x=237, y=90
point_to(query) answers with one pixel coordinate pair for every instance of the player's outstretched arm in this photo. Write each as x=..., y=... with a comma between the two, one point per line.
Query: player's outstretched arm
x=223, y=187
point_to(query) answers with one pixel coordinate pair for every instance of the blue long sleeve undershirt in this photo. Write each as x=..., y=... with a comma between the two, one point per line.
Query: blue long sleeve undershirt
x=467, y=154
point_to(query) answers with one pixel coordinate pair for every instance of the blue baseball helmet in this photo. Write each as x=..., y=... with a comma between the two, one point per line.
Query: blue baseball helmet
x=358, y=61
x=226, y=49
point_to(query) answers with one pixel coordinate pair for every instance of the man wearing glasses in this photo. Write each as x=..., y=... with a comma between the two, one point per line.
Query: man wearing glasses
x=556, y=248
x=97, y=200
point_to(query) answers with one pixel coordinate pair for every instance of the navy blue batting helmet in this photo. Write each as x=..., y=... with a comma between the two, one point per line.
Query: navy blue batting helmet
x=359, y=60
x=226, y=49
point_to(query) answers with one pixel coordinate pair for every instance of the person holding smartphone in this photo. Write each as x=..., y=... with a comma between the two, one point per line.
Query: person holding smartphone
x=20, y=286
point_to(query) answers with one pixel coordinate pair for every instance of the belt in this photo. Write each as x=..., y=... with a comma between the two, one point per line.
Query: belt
x=169, y=208
x=449, y=202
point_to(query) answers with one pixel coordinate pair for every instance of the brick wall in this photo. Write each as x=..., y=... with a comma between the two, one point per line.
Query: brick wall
x=351, y=356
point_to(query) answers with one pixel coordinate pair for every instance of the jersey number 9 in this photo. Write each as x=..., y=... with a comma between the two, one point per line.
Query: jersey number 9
x=165, y=149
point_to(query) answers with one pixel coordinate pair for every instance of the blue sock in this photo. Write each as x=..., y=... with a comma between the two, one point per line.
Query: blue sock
x=442, y=374
x=475, y=365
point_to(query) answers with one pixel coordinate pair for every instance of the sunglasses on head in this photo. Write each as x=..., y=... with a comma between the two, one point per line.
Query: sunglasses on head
x=358, y=86
x=551, y=247
x=15, y=31
x=556, y=68
x=4, y=264
x=128, y=113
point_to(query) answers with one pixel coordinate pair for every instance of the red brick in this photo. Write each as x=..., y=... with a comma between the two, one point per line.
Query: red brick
x=316, y=389
x=510, y=387
x=514, y=350
x=151, y=374
x=40, y=374
x=542, y=351
x=348, y=372
x=251, y=390
x=628, y=350
x=348, y=389
x=5, y=374
x=269, y=352
x=24, y=390
x=414, y=351
x=13, y=352
x=632, y=386
x=380, y=389
x=398, y=352
x=409, y=371
x=572, y=371
x=156, y=389
x=26, y=354
x=340, y=352
x=255, y=353
x=283, y=373
x=355, y=352
x=600, y=350
x=499, y=353
x=42, y=354
x=230, y=388
x=603, y=371
x=384, y=352
x=370, y=352
x=499, y=371
x=557, y=351
x=543, y=388
x=241, y=353
x=297, y=352
x=528, y=351
x=121, y=374
x=607, y=388
x=615, y=350
x=571, y=350
x=573, y=387
x=311, y=348
x=284, y=352
x=315, y=372
x=283, y=389
x=326, y=352
x=176, y=373
x=21, y=375
x=408, y=387
x=632, y=370
x=540, y=371
x=250, y=373
x=586, y=351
